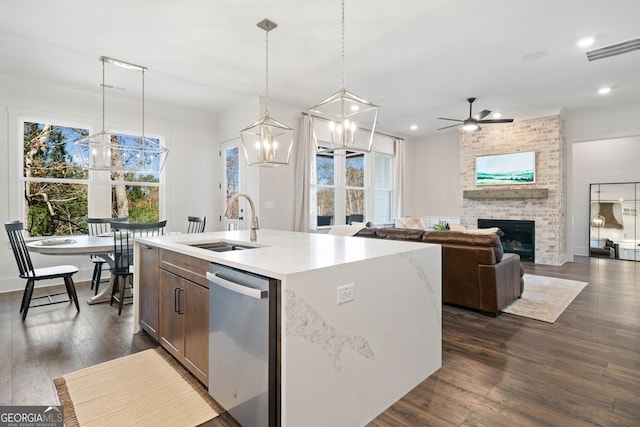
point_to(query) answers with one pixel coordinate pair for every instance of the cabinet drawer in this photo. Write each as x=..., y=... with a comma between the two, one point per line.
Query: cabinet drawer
x=191, y=268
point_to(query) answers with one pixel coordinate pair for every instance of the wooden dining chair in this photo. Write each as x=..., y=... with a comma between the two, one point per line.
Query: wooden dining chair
x=97, y=227
x=124, y=234
x=196, y=224
x=33, y=275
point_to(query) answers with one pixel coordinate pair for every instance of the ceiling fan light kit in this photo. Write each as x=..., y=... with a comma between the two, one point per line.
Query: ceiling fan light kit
x=472, y=123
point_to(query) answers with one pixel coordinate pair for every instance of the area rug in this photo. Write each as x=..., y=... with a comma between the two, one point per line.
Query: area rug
x=545, y=298
x=148, y=388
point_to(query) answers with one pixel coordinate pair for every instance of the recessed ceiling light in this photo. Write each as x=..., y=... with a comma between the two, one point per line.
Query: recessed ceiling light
x=585, y=42
x=414, y=127
x=604, y=90
x=532, y=56
x=496, y=115
x=354, y=108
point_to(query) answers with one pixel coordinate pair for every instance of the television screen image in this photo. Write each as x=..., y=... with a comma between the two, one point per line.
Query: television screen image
x=506, y=169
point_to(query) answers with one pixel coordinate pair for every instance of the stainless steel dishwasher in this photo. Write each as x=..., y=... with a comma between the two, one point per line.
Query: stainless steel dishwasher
x=242, y=344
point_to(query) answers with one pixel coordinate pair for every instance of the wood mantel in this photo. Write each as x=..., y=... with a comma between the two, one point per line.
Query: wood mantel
x=529, y=193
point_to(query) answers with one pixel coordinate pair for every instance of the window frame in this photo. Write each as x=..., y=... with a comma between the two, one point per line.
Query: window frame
x=99, y=182
x=339, y=187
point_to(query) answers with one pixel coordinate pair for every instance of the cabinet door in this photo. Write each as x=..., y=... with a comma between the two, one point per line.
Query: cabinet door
x=196, y=324
x=171, y=325
x=148, y=292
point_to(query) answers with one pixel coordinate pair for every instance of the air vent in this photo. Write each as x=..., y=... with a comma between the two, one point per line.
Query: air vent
x=613, y=50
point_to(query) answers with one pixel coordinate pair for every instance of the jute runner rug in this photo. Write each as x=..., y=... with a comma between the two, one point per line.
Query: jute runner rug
x=545, y=298
x=148, y=388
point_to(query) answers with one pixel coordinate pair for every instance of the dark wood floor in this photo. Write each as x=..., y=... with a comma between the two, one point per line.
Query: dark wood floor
x=583, y=370
x=505, y=371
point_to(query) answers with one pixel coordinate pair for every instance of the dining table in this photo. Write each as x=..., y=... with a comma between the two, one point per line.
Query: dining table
x=101, y=245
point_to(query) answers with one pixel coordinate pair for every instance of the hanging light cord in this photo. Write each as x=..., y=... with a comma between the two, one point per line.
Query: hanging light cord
x=343, y=78
x=143, y=138
x=103, y=95
x=266, y=113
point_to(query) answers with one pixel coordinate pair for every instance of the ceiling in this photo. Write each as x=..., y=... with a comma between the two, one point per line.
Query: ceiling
x=417, y=59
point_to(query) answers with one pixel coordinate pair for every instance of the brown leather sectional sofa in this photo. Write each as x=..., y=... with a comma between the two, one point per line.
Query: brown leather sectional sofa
x=476, y=273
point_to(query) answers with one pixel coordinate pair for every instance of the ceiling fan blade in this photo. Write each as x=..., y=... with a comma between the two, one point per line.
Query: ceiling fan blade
x=482, y=114
x=447, y=127
x=496, y=121
x=453, y=120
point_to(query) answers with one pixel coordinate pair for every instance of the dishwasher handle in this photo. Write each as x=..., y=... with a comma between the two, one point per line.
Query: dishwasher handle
x=237, y=287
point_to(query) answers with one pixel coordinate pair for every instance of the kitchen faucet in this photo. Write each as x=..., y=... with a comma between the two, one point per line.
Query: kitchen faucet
x=254, y=220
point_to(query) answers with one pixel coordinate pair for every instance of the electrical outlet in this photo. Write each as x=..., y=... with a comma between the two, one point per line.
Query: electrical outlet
x=346, y=293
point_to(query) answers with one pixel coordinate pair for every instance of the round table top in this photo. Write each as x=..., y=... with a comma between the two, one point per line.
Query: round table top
x=72, y=245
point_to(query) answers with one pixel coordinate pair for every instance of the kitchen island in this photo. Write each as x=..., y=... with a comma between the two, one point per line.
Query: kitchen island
x=337, y=363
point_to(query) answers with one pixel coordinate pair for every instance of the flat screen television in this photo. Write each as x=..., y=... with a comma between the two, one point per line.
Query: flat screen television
x=506, y=169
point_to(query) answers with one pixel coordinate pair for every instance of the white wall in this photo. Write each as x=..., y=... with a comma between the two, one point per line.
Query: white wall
x=271, y=189
x=594, y=162
x=190, y=173
x=434, y=163
x=599, y=126
x=433, y=176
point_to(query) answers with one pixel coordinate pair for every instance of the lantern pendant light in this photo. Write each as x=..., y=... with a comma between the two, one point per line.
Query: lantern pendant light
x=108, y=151
x=343, y=121
x=267, y=142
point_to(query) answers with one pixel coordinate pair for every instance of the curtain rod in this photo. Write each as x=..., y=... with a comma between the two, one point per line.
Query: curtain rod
x=368, y=130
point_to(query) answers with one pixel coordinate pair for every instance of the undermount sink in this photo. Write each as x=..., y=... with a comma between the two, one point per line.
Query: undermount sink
x=222, y=246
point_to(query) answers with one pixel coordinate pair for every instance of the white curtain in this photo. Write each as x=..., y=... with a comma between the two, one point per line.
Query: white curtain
x=399, y=179
x=302, y=177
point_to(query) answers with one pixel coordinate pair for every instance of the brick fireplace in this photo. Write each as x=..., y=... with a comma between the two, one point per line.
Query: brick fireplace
x=544, y=136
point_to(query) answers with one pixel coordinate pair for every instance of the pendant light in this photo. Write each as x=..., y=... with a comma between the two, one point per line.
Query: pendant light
x=108, y=151
x=343, y=121
x=267, y=142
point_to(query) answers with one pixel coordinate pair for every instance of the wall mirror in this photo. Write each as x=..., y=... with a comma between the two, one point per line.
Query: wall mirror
x=613, y=220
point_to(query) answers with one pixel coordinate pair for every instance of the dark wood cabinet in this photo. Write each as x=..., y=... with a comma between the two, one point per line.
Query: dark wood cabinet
x=148, y=292
x=184, y=311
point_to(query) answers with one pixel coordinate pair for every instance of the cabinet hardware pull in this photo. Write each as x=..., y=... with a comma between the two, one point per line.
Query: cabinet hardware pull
x=175, y=300
x=180, y=310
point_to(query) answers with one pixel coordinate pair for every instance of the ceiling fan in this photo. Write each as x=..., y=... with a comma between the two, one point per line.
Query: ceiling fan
x=473, y=122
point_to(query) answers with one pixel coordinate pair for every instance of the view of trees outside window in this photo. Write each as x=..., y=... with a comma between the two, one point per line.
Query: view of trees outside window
x=355, y=200
x=353, y=187
x=55, y=185
x=135, y=195
x=232, y=178
x=325, y=190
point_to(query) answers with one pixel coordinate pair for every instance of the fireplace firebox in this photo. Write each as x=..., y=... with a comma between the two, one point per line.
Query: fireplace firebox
x=519, y=236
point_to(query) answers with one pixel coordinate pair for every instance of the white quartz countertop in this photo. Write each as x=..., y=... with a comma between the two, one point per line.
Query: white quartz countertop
x=279, y=253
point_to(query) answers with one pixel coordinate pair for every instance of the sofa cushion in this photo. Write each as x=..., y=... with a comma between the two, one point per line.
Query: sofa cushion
x=399, y=233
x=415, y=223
x=367, y=232
x=457, y=227
x=461, y=238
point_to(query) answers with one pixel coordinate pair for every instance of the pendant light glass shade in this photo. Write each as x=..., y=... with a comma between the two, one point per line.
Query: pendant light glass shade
x=343, y=121
x=267, y=142
x=116, y=152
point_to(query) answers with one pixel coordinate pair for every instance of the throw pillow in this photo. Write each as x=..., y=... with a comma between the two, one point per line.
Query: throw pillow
x=492, y=230
x=414, y=223
x=457, y=227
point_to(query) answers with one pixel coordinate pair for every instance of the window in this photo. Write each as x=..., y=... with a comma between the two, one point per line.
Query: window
x=54, y=183
x=383, y=187
x=352, y=187
x=56, y=194
x=136, y=195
